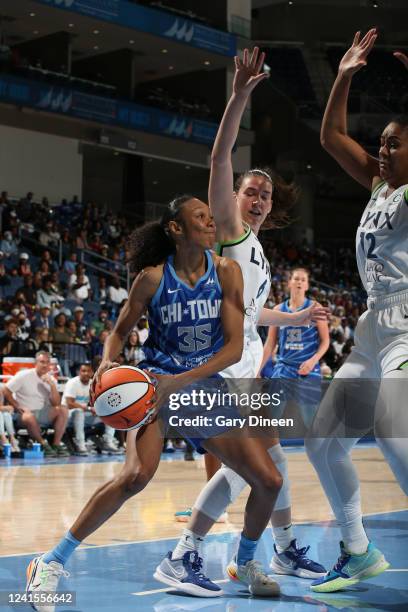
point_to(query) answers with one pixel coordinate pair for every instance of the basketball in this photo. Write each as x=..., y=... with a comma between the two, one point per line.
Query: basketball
x=121, y=397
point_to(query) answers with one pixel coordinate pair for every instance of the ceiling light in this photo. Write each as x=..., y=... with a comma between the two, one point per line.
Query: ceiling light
x=70, y=25
x=96, y=47
x=187, y=167
x=155, y=182
x=171, y=67
x=96, y=32
x=32, y=14
x=164, y=51
x=131, y=42
x=207, y=63
x=36, y=32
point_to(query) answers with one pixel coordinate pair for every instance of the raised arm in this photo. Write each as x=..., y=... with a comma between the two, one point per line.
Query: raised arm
x=220, y=194
x=333, y=136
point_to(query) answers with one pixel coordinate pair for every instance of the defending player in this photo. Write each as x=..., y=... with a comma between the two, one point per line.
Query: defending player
x=176, y=271
x=381, y=336
x=259, y=200
x=300, y=350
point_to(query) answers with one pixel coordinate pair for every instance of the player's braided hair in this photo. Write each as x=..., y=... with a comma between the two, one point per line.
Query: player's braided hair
x=151, y=243
x=284, y=197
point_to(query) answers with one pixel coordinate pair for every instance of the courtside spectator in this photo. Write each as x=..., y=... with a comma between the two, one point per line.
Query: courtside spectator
x=34, y=396
x=76, y=399
x=42, y=340
x=6, y=424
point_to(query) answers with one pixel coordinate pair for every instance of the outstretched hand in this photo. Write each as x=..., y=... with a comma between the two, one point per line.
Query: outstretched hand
x=248, y=71
x=402, y=58
x=356, y=57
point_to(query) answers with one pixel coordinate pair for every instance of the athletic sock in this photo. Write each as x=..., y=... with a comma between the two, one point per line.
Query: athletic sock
x=188, y=542
x=283, y=536
x=246, y=550
x=63, y=550
x=355, y=538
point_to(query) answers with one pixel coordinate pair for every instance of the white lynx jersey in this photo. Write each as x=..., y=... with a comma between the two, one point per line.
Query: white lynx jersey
x=382, y=242
x=248, y=252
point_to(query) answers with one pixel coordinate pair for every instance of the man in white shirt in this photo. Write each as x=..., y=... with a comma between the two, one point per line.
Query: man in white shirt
x=34, y=395
x=76, y=400
x=116, y=293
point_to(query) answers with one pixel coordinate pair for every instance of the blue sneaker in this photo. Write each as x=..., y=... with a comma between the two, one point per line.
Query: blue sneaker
x=350, y=569
x=184, y=574
x=294, y=562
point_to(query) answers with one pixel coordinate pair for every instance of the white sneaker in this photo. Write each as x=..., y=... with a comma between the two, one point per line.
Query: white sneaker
x=80, y=448
x=109, y=447
x=43, y=578
x=254, y=577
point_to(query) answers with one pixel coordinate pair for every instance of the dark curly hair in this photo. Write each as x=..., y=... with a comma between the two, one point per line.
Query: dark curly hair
x=285, y=196
x=151, y=243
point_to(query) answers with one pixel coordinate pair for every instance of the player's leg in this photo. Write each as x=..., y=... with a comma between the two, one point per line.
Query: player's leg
x=142, y=459
x=329, y=451
x=58, y=417
x=391, y=423
x=248, y=458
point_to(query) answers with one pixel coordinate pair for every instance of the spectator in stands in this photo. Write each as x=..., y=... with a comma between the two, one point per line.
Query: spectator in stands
x=37, y=403
x=10, y=340
x=132, y=350
x=25, y=207
x=24, y=267
x=46, y=296
x=42, y=340
x=4, y=277
x=73, y=331
x=9, y=245
x=42, y=318
x=79, y=314
x=28, y=290
x=24, y=326
x=98, y=324
x=45, y=235
x=59, y=333
x=81, y=289
x=116, y=293
x=70, y=264
x=76, y=399
x=46, y=256
x=96, y=347
x=338, y=342
x=6, y=424
x=79, y=270
x=44, y=269
x=142, y=329
x=54, y=234
x=55, y=284
x=81, y=241
x=101, y=292
x=96, y=244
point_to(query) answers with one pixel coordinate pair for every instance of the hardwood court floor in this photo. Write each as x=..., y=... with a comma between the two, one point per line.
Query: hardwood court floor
x=39, y=503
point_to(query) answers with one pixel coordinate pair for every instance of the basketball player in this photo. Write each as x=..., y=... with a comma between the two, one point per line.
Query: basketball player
x=177, y=273
x=239, y=217
x=300, y=350
x=381, y=336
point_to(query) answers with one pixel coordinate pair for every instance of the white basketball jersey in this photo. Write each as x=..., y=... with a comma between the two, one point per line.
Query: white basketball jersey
x=248, y=252
x=382, y=242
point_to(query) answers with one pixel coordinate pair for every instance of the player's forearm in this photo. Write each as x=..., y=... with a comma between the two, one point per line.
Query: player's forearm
x=322, y=350
x=277, y=317
x=113, y=346
x=229, y=128
x=335, y=116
